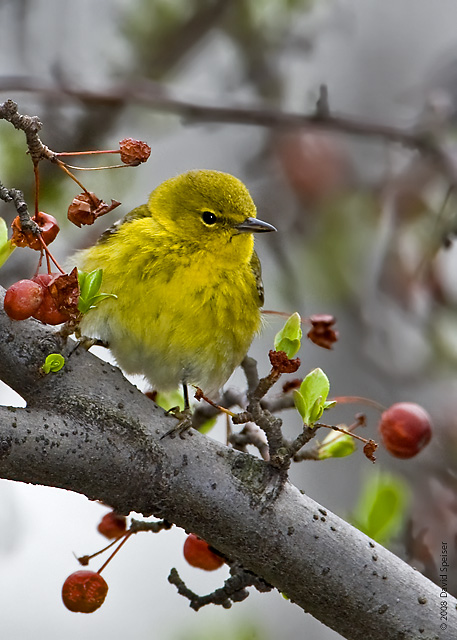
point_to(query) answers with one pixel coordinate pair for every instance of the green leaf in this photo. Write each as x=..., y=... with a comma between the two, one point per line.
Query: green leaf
x=83, y=306
x=103, y=296
x=81, y=279
x=315, y=385
x=311, y=398
x=6, y=246
x=300, y=405
x=53, y=363
x=92, y=302
x=92, y=283
x=89, y=287
x=382, y=507
x=3, y=231
x=316, y=410
x=336, y=445
x=289, y=338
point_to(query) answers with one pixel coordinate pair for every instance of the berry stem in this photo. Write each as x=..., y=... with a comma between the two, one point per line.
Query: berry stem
x=63, y=166
x=199, y=395
x=347, y=432
x=86, y=153
x=37, y=188
x=281, y=314
x=50, y=256
x=48, y=262
x=84, y=560
x=359, y=400
x=113, y=166
x=284, y=314
x=126, y=537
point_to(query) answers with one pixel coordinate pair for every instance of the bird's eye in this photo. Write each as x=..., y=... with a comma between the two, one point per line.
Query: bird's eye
x=209, y=218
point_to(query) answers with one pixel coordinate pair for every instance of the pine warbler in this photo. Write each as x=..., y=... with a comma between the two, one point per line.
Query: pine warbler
x=187, y=281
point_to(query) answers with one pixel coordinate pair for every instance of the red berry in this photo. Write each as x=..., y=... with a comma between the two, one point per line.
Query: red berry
x=112, y=526
x=199, y=554
x=84, y=591
x=48, y=225
x=44, y=278
x=48, y=312
x=22, y=299
x=405, y=429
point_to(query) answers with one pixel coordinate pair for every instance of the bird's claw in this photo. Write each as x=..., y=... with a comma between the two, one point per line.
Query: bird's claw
x=83, y=342
x=183, y=426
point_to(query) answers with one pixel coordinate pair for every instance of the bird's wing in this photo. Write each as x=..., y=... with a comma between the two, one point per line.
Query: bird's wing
x=139, y=212
x=257, y=271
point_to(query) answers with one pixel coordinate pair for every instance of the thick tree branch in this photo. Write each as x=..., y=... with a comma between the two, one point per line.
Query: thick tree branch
x=88, y=430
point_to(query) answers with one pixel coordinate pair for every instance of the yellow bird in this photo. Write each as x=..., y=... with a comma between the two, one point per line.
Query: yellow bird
x=187, y=281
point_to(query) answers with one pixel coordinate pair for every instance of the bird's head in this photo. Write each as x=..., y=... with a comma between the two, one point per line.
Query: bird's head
x=209, y=208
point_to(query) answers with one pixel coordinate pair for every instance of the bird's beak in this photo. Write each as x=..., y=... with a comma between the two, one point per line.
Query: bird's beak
x=253, y=225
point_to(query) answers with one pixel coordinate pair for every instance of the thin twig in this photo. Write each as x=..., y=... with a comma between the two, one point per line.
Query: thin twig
x=251, y=434
x=30, y=125
x=257, y=388
x=303, y=438
x=204, y=412
x=278, y=404
x=17, y=198
x=234, y=589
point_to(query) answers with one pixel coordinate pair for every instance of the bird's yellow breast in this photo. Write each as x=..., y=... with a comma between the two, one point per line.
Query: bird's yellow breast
x=184, y=311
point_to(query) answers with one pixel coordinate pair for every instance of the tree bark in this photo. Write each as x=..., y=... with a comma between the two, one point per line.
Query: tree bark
x=87, y=429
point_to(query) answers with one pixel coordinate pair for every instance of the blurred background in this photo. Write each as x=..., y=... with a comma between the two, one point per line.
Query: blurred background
x=366, y=229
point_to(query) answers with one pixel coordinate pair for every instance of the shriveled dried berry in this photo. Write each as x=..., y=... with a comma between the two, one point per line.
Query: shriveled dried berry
x=281, y=363
x=48, y=312
x=64, y=288
x=134, y=152
x=369, y=450
x=86, y=208
x=322, y=332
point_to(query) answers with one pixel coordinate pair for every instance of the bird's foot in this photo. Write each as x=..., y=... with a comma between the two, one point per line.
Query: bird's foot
x=184, y=424
x=83, y=342
x=86, y=343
